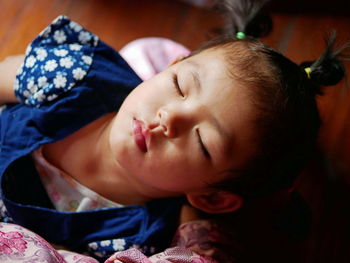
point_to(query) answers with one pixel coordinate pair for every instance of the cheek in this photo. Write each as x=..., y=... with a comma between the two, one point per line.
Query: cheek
x=173, y=160
x=154, y=89
x=141, y=100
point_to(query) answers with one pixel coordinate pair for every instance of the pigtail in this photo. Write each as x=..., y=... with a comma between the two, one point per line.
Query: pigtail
x=244, y=18
x=328, y=69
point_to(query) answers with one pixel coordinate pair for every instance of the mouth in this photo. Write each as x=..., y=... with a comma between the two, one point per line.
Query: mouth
x=140, y=134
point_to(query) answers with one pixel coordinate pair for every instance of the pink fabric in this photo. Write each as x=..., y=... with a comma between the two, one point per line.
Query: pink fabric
x=193, y=244
x=171, y=255
x=18, y=244
x=149, y=56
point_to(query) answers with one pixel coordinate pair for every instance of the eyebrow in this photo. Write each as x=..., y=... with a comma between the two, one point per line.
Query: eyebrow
x=195, y=76
x=197, y=81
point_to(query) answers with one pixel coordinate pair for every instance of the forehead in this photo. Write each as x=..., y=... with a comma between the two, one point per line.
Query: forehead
x=208, y=59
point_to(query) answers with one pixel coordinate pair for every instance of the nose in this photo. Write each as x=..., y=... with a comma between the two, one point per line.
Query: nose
x=172, y=121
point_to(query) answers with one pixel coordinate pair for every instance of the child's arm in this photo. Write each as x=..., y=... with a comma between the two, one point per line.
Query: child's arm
x=8, y=69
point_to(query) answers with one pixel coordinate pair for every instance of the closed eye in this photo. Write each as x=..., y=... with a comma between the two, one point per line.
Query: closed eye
x=176, y=86
x=202, y=146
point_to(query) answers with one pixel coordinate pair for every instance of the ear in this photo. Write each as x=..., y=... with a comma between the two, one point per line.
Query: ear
x=215, y=202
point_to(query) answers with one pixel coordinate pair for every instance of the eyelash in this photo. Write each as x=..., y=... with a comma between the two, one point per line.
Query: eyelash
x=201, y=145
x=177, y=87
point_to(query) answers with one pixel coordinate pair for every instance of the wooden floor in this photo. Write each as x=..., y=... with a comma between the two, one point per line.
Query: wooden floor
x=299, y=35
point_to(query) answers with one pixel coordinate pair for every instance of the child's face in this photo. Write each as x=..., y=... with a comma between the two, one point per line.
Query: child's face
x=180, y=130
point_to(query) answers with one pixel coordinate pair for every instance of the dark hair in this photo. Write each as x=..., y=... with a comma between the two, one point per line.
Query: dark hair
x=283, y=93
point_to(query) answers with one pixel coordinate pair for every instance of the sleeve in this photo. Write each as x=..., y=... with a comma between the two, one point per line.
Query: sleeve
x=58, y=58
x=195, y=242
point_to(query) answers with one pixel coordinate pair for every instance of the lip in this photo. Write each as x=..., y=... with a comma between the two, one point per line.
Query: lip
x=140, y=135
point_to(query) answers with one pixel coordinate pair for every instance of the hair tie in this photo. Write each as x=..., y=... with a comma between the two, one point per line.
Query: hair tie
x=240, y=35
x=308, y=72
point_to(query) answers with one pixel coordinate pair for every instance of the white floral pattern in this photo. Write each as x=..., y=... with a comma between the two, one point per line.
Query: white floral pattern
x=119, y=244
x=75, y=47
x=78, y=73
x=55, y=61
x=60, y=81
x=39, y=96
x=105, y=243
x=30, y=85
x=75, y=26
x=30, y=61
x=60, y=36
x=93, y=245
x=42, y=82
x=52, y=97
x=101, y=248
x=41, y=54
x=84, y=37
x=87, y=59
x=26, y=94
x=60, y=52
x=50, y=65
x=66, y=62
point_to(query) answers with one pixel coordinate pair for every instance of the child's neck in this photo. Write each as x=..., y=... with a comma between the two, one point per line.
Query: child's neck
x=83, y=156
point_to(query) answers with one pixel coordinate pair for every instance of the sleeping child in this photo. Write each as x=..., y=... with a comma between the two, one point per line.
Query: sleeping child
x=96, y=160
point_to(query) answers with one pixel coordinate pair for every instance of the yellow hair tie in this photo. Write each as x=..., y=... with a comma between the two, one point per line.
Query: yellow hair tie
x=308, y=72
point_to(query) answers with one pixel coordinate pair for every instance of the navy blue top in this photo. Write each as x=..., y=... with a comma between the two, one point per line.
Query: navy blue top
x=70, y=78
